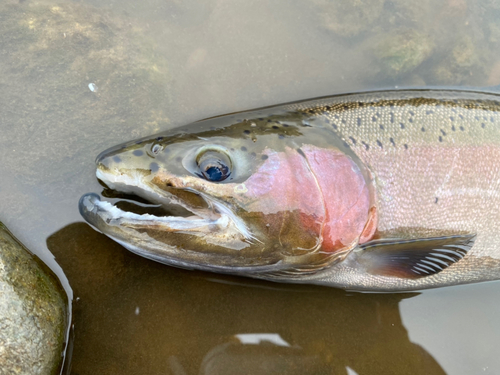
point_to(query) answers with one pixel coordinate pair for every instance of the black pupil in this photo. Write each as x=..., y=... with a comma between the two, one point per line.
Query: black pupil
x=216, y=173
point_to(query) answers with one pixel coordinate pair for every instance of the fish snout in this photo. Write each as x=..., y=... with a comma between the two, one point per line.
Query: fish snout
x=87, y=204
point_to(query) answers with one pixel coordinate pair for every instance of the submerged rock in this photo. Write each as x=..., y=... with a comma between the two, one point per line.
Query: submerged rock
x=33, y=312
x=348, y=18
x=401, y=52
x=462, y=64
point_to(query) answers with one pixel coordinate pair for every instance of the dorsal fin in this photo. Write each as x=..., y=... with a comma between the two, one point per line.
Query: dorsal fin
x=413, y=258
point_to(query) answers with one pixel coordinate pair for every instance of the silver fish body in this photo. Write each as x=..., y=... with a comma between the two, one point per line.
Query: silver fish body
x=384, y=191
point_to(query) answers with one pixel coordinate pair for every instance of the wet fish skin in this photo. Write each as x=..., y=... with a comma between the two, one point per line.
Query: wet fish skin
x=430, y=159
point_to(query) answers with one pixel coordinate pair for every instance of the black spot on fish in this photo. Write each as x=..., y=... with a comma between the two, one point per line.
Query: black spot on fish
x=353, y=140
x=442, y=132
x=232, y=149
x=154, y=167
x=327, y=107
x=452, y=118
x=423, y=129
x=454, y=110
x=269, y=120
x=402, y=125
x=392, y=141
x=345, y=144
x=410, y=119
x=440, y=139
x=483, y=125
x=213, y=128
x=492, y=119
x=261, y=118
x=462, y=128
x=436, y=200
x=406, y=146
x=264, y=157
x=138, y=152
x=286, y=125
x=381, y=126
x=246, y=131
x=392, y=118
x=275, y=127
x=429, y=112
x=138, y=142
x=334, y=126
x=476, y=117
x=253, y=154
x=453, y=128
x=346, y=107
x=343, y=121
x=178, y=159
x=374, y=118
x=359, y=121
x=380, y=144
x=361, y=104
x=243, y=148
x=159, y=138
x=336, y=117
x=461, y=117
x=117, y=159
x=281, y=136
x=367, y=146
x=411, y=113
x=327, y=121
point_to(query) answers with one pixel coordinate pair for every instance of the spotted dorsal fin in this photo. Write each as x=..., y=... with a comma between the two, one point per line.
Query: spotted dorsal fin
x=413, y=258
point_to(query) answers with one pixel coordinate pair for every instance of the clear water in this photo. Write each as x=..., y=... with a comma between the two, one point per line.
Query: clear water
x=78, y=77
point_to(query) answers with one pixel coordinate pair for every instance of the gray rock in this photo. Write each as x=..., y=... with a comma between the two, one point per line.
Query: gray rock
x=33, y=312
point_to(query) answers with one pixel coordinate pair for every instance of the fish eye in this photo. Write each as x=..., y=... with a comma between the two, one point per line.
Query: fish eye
x=213, y=165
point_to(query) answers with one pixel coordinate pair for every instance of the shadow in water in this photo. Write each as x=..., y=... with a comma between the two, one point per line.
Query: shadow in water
x=135, y=316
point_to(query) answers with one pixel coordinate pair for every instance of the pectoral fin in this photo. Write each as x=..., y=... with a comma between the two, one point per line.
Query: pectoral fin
x=413, y=258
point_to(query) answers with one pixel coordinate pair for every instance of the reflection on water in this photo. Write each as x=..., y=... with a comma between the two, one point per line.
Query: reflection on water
x=79, y=77
x=136, y=316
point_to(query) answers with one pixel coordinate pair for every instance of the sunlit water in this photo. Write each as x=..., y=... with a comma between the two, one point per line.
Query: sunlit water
x=78, y=77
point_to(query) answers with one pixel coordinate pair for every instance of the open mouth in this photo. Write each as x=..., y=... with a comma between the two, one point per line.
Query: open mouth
x=138, y=204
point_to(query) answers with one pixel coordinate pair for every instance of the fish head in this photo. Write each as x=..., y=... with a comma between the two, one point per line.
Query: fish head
x=249, y=196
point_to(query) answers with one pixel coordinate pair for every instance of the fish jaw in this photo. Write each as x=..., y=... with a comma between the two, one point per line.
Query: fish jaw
x=172, y=240
x=127, y=229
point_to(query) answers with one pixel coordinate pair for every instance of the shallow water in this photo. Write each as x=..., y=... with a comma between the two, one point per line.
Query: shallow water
x=78, y=77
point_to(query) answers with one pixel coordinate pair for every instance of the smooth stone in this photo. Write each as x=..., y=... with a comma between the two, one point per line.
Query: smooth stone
x=33, y=312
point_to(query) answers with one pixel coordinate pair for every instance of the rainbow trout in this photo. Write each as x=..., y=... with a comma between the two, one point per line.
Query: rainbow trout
x=381, y=191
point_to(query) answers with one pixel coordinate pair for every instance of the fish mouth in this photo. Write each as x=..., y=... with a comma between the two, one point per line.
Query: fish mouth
x=196, y=231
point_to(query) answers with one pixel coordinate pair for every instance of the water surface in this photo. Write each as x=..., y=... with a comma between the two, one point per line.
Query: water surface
x=77, y=77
